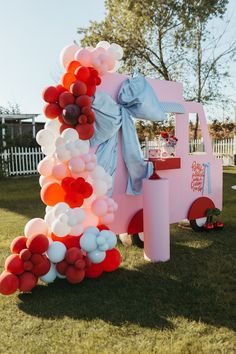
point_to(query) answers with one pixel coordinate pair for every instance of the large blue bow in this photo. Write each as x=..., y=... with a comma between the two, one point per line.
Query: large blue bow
x=137, y=99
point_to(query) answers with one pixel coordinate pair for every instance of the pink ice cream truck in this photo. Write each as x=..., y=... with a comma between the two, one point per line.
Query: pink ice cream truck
x=188, y=185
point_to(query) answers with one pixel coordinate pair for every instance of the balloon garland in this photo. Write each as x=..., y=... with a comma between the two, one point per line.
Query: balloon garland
x=73, y=240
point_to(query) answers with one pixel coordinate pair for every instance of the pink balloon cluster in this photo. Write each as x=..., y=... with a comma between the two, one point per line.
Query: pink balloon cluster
x=104, y=58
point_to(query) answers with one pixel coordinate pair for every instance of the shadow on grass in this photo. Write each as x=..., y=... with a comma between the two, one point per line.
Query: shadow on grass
x=21, y=195
x=149, y=296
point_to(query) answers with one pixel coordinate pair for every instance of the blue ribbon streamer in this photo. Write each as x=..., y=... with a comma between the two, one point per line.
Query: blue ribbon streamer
x=207, y=173
x=136, y=98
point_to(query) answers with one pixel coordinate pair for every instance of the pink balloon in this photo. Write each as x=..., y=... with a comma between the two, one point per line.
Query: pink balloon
x=110, y=62
x=44, y=180
x=67, y=54
x=99, y=207
x=76, y=165
x=83, y=56
x=45, y=166
x=36, y=226
x=107, y=219
x=90, y=219
x=60, y=171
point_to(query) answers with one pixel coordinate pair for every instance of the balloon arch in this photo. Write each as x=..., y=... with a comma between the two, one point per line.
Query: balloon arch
x=73, y=241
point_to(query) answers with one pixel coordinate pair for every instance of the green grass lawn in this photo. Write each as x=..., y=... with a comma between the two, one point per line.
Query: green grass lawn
x=185, y=305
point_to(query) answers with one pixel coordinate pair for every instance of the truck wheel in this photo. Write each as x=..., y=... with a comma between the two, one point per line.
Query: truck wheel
x=197, y=224
x=137, y=239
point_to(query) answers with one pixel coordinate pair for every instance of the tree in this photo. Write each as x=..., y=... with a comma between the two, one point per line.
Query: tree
x=169, y=39
x=222, y=129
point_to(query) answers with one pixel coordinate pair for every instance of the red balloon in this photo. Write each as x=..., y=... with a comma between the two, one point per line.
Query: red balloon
x=73, y=254
x=68, y=79
x=50, y=94
x=91, y=117
x=28, y=265
x=78, y=88
x=88, y=190
x=91, y=81
x=69, y=241
x=14, y=264
x=60, y=89
x=37, y=243
x=27, y=281
x=91, y=89
x=41, y=264
x=93, y=72
x=102, y=227
x=94, y=270
x=74, y=275
x=65, y=99
x=83, y=100
x=74, y=200
x=86, y=110
x=72, y=66
x=25, y=254
x=18, y=244
x=60, y=118
x=82, y=119
x=8, y=283
x=98, y=81
x=52, y=193
x=52, y=110
x=112, y=260
x=62, y=267
x=66, y=183
x=65, y=126
x=85, y=131
x=82, y=73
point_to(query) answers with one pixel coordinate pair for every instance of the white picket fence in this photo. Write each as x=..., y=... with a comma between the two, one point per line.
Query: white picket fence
x=224, y=149
x=20, y=161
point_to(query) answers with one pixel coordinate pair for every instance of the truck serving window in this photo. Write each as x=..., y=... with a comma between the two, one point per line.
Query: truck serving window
x=196, y=141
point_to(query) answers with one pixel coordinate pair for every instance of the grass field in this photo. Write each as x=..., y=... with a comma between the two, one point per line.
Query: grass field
x=186, y=305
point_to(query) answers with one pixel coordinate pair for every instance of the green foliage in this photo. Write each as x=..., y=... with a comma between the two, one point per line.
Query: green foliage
x=186, y=305
x=222, y=129
x=169, y=39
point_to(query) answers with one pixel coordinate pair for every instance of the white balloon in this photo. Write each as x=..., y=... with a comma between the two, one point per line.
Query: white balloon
x=44, y=137
x=63, y=218
x=48, y=150
x=60, y=208
x=56, y=252
x=103, y=44
x=70, y=135
x=77, y=230
x=53, y=125
x=51, y=275
x=88, y=242
x=116, y=50
x=72, y=221
x=79, y=214
x=60, y=229
x=98, y=172
x=100, y=187
x=49, y=218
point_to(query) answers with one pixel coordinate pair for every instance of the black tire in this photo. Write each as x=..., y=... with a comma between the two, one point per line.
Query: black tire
x=196, y=226
x=137, y=241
